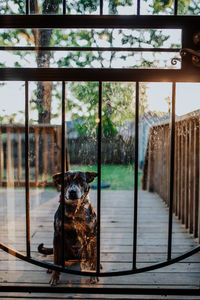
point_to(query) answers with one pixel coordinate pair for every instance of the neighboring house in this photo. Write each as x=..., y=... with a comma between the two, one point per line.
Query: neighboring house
x=72, y=132
x=147, y=120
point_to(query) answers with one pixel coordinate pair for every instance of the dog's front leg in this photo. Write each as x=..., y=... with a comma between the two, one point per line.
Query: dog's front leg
x=57, y=260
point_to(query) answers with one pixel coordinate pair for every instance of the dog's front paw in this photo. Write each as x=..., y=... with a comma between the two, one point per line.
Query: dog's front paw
x=54, y=278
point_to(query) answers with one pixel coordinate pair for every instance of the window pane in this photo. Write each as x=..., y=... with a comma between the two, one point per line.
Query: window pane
x=125, y=7
x=46, y=7
x=12, y=165
x=154, y=161
x=137, y=38
x=99, y=38
x=157, y=7
x=82, y=7
x=189, y=7
x=118, y=144
x=12, y=7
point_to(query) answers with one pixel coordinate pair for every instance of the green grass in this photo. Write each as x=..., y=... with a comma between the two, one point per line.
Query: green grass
x=120, y=177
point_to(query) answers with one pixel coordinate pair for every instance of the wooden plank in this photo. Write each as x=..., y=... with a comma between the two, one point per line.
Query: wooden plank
x=179, y=171
x=52, y=151
x=58, y=137
x=1, y=158
x=186, y=162
x=183, y=170
x=36, y=133
x=9, y=161
x=175, y=171
x=116, y=244
x=19, y=156
x=150, y=186
x=196, y=177
x=45, y=155
x=191, y=174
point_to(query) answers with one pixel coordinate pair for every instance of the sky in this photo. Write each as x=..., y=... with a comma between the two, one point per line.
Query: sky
x=187, y=97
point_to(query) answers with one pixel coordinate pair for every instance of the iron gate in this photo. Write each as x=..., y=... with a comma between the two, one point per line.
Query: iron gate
x=187, y=73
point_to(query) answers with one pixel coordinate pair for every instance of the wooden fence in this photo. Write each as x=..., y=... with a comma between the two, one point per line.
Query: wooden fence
x=45, y=150
x=45, y=153
x=156, y=175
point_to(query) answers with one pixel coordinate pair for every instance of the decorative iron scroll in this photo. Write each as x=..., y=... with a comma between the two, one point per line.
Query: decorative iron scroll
x=185, y=51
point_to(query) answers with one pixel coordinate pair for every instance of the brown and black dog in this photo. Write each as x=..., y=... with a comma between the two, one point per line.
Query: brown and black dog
x=80, y=223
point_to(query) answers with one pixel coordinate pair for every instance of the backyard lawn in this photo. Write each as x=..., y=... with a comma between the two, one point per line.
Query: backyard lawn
x=119, y=177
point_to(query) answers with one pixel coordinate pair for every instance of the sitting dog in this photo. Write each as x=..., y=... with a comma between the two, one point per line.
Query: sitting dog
x=80, y=224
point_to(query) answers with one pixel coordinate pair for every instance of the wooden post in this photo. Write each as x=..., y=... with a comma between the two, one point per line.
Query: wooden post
x=45, y=154
x=53, y=151
x=175, y=171
x=182, y=202
x=150, y=162
x=1, y=159
x=36, y=133
x=58, y=135
x=186, y=173
x=19, y=156
x=191, y=174
x=9, y=163
x=196, y=178
x=179, y=171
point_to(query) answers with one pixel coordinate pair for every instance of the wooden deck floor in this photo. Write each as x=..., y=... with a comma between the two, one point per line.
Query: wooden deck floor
x=116, y=243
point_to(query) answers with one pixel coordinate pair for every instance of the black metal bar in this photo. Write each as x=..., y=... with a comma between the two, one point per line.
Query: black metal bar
x=136, y=176
x=63, y=167
x=96, y=21
x=101, y=7
x=64, y=7
x=138, y=7
x=113, y=49
x=27, y=7
x=171, y=194
x=85, y=74
x=175, y=7
x=99, y=179
x=27, y=167
x=102, y=290
x=51, y=266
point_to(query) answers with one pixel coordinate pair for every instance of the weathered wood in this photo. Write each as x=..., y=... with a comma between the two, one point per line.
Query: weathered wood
x=196, y=178
x=186, y=163
x=19, y=156
x=191, y=174
x=1, y=158
x=51, y=159
x=45, y=155
x=116, y=241
x=52, y=152
x=9, y=163
x=36, y=133
x=186, y=181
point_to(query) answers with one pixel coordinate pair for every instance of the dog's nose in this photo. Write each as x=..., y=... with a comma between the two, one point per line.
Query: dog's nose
x=72, y=194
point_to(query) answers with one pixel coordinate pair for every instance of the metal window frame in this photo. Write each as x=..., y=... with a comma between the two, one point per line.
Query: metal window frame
x=100, y=75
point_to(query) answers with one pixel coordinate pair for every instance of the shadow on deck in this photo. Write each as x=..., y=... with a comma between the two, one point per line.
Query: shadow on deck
x=116, y=241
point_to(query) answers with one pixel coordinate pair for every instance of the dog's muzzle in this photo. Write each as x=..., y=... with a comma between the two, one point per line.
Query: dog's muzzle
x=73, y=193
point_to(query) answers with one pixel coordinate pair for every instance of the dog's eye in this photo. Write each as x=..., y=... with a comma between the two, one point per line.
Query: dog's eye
x=79, y=181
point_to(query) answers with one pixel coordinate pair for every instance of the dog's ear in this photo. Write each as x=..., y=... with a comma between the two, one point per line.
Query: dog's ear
x=90, y=176
x=57, y=178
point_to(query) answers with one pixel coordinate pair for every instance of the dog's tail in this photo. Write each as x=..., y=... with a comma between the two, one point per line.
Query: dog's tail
x=44, y=250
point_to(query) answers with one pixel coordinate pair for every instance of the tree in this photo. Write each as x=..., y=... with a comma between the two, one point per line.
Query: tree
x=118, y=106
x=48, y=37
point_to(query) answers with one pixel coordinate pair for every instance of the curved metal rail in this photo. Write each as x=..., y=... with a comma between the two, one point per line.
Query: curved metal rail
x=99, y=274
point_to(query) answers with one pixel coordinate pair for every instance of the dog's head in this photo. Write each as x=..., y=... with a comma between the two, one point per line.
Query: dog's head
x=76, y=184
